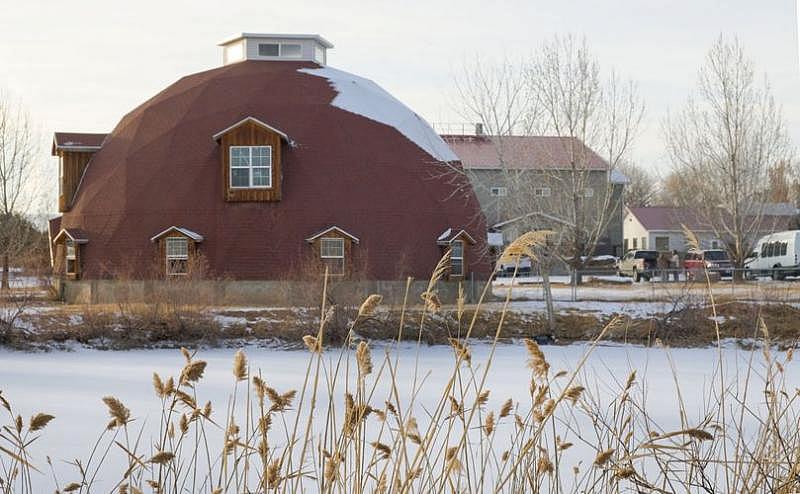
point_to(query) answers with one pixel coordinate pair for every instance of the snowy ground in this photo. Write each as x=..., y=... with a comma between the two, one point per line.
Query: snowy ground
x=622, y=289
x=70, y=385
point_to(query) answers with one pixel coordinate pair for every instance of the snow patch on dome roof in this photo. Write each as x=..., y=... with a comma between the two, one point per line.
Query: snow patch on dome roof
x=363, y=97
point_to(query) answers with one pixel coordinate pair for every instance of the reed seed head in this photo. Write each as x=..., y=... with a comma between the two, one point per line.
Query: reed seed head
x=311, y=343
x=240, y=366
x=371, y=303
x=39, y=421
x=364, y=359
x=603, y=457
x=118, y=412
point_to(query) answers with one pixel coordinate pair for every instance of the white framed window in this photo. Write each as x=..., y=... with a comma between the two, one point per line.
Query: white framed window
x=499, y=191
x=177, y=251
x=541, y=192
x=331, y=252
x=588, y=192
x=291, y=50
x=251, y=167
x=71, y=256
x=268, y=50
x=457, y=258
x=283, y=50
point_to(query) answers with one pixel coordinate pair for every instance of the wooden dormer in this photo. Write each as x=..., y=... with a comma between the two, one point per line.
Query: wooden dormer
x=251, y=154
x=74, y=152
x=457, y=242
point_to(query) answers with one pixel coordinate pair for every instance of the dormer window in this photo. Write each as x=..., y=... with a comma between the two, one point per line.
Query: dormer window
x=177, y=256
x=252, y=155
x=457, y=258
x=251, y=166
x=456, y=242
x=177, y=246
x=68, y=245
x=71, y=256
x=331, y=251
x=334, y=246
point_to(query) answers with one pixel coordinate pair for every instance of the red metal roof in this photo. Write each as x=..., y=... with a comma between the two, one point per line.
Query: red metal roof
x=161, y=167
x=533, y=152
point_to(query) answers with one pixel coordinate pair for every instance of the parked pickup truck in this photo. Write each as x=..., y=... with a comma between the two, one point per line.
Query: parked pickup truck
x=638, y=264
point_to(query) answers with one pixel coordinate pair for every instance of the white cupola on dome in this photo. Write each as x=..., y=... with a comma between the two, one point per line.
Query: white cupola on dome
x=255, y=46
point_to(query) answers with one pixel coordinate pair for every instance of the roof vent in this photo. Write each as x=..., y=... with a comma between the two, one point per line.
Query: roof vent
x=271, y=47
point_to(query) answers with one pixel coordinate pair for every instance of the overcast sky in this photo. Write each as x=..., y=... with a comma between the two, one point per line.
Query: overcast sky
x=81, y=65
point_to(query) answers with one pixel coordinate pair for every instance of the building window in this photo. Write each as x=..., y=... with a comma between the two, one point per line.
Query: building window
x=331, y=251
x=541, y=191
x=285, y=50
x=662, y=243
x=457, y=258
x=499, y=191
x=644, y=242
x=268, y=50
x=588, y=192
x=319, y=54
x=251, y=167
x=71, y=256
x=177, y=256
x=634, y=244
x=624, y=245
x=291, y=50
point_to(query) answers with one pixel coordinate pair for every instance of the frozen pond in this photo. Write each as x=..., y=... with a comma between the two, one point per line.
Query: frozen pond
x=70, y=385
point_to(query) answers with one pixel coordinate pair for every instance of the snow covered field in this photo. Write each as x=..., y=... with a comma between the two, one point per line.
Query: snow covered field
x=623, y=289
x=70, y=385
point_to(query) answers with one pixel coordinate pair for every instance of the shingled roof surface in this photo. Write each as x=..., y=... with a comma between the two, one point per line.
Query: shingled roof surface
x=522, y=152
x=160, y=167
x=666, y=218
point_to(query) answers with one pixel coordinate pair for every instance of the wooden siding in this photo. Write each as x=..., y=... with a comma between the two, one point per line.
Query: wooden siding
x=251, y=134
x=74, y=163
x=161, y=260
x=348, y=251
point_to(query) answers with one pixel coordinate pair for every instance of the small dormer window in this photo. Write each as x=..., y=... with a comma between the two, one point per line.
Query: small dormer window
x=70, y=256
x=251, y=166
x=177, y=256
x=457, y=258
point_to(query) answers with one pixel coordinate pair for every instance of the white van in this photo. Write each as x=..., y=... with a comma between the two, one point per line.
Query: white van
x=775, y=255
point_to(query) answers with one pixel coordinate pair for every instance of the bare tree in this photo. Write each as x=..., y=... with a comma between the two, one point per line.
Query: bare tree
x=590, y=115
x=559, y=93
x=642, y=187
x=17, y=150
x=723, y=144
